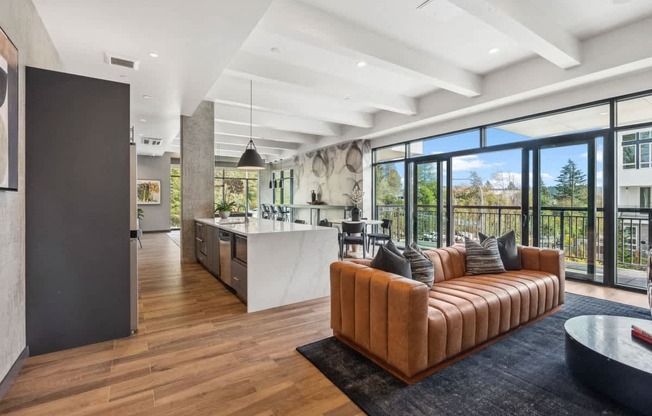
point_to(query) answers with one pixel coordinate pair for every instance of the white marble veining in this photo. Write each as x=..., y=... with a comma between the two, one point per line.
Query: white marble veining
x=286, y=262
x=257, y=225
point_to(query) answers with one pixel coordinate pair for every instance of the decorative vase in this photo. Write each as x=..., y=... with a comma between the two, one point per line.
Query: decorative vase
x=355, y=214
x=225, y=214
x=313, y=196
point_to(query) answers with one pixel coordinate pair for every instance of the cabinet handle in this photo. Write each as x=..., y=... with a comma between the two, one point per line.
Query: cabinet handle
x=235, y=278
x=199, y=239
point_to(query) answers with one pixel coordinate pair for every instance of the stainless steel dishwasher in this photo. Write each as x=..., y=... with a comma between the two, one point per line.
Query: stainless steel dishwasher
x=225, y=257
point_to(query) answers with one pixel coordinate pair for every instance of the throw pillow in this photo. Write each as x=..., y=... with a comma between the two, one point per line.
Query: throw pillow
x=508, y=251
x=392, y=247
x=421, y=266
x=483, y=257
x=390, y=262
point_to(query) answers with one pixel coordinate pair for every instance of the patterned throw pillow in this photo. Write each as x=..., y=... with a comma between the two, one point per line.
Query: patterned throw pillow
x=483, y=257
x=507, y=249
x=422, y=268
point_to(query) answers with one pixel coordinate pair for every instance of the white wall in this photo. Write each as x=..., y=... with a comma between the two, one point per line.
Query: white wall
x=20, y=20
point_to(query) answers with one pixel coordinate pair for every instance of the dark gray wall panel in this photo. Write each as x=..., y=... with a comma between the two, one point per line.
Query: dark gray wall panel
x=77, y=210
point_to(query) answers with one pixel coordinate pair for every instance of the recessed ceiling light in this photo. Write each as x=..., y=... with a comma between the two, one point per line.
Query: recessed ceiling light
x=604, y=114
x=494, y=50
x=153, y=55
x=347, y=98
x=362, y=64
x=275, y=49
x=143, y=120
x=147, y=97
x=123, y=76
x=141, y=134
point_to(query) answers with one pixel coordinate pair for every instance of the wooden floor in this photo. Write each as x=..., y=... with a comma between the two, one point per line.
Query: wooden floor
x=197, y=353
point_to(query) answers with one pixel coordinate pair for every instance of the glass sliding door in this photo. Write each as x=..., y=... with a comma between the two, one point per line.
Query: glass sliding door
x=389, y=193
x=486, y=194
x=429, y=215
x=570, y=213
x=634, y=214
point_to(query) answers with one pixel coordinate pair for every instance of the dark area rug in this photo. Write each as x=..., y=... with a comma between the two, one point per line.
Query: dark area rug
x=523, y=374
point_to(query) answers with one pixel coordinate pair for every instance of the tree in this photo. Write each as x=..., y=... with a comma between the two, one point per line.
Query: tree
x=571, y=184
x=175, y=197
x=427, y=185
x=389, y=187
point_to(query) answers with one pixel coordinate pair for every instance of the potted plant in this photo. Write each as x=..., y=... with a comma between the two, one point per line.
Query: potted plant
x=224, y=209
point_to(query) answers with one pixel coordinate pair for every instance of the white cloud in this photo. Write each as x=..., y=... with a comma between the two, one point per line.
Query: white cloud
x=500, y=180
x=598, y=152
x=471, y=162
x=547, y=179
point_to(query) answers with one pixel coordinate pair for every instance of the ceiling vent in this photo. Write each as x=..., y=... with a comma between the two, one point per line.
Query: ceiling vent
x=121, y=61
x=151, y=141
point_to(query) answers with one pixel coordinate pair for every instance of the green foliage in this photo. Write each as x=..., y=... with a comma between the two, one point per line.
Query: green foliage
x=175, y=197
x=427, y=185
x=225, y=206
x=571, y=186
x=140, y=214
x=389, y=190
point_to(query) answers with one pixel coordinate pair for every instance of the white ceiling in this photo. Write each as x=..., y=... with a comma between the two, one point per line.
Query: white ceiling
x=194, y=41
x=421, y=65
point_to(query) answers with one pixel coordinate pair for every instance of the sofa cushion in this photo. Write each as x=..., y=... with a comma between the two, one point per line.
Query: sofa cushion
x=483, y=258
x=507, y=249
x=392, y=247
x=420, y=265
x=388, y=261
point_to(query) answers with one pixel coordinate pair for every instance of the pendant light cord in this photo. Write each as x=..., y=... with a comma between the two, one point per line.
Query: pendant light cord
x=251, y=109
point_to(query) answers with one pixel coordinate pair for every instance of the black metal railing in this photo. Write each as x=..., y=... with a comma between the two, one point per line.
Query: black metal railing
x=563, y=228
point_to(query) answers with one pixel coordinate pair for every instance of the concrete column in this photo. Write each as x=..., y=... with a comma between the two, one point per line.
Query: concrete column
x=197, y=174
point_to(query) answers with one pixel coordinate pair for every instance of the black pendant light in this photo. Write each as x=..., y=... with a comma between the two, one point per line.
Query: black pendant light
x=250, y=159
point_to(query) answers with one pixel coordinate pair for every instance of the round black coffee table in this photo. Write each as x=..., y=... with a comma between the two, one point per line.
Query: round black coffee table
x=601, y=352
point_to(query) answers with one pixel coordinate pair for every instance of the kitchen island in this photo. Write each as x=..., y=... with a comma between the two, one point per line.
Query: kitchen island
x=267, y=263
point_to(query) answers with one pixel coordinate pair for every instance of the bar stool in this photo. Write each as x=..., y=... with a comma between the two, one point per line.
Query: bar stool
x=299, y=222
x=272, y=212
x=381, y=237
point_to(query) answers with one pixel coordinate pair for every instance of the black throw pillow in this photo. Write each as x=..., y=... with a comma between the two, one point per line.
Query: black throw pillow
x=390, y=262
x=508, y=251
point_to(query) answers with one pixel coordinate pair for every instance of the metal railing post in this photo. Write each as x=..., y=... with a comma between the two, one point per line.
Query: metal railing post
x=562, y=235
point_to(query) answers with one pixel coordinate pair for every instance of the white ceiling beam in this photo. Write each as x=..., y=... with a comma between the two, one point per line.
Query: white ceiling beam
x=268, y=144
x=241, y=148
x=525, y=25
x=312, y=26
x=235, y=91
x=268, y=71
x=241, y=130
x=608, y=57
x=240, y=115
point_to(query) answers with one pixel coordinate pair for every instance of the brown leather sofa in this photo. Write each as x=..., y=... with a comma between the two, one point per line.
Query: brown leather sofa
x=412, y=331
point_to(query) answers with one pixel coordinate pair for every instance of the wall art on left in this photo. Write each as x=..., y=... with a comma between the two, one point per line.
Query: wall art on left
x=149, y=192
x=8, y=114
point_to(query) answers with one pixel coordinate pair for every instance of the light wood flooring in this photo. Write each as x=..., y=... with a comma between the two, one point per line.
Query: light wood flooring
x=197, y=353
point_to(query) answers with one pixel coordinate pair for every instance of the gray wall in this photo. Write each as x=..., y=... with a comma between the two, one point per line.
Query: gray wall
x=77, y=202
x=156, y=217
x=20, y=20
x=197, y=174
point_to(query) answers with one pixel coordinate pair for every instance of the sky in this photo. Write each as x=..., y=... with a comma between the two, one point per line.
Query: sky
x=507, y=163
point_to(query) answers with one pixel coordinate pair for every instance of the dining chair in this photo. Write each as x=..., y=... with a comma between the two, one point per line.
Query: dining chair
x=353, y=233
x=273, y=212
x=386, y=235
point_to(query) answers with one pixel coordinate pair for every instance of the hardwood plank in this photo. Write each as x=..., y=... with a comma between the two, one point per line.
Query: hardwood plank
x=198, y=353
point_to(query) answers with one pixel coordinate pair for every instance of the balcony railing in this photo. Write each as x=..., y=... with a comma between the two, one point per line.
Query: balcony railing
x=563, y=228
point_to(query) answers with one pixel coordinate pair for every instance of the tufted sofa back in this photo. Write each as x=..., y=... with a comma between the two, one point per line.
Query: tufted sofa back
x=449, y=262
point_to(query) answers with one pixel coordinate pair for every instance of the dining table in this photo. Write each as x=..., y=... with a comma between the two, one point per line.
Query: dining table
x=367, y=222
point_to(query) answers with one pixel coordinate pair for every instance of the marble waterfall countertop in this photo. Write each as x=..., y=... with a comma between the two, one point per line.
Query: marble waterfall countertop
x=257, y=226
x=286, y=262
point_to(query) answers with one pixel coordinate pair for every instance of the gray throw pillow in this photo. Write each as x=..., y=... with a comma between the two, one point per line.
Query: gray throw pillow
x=508, y=251
x=390, y=262
x=422, y=268
x=483, y=257
x=392, y=247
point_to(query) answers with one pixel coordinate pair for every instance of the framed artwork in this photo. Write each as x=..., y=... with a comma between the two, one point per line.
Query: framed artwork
x=8, y=114
x=149, y=192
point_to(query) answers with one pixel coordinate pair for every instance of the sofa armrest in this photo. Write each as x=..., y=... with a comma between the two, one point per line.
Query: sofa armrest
x=364, y=262
x=381, y=313
x=546, y=260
